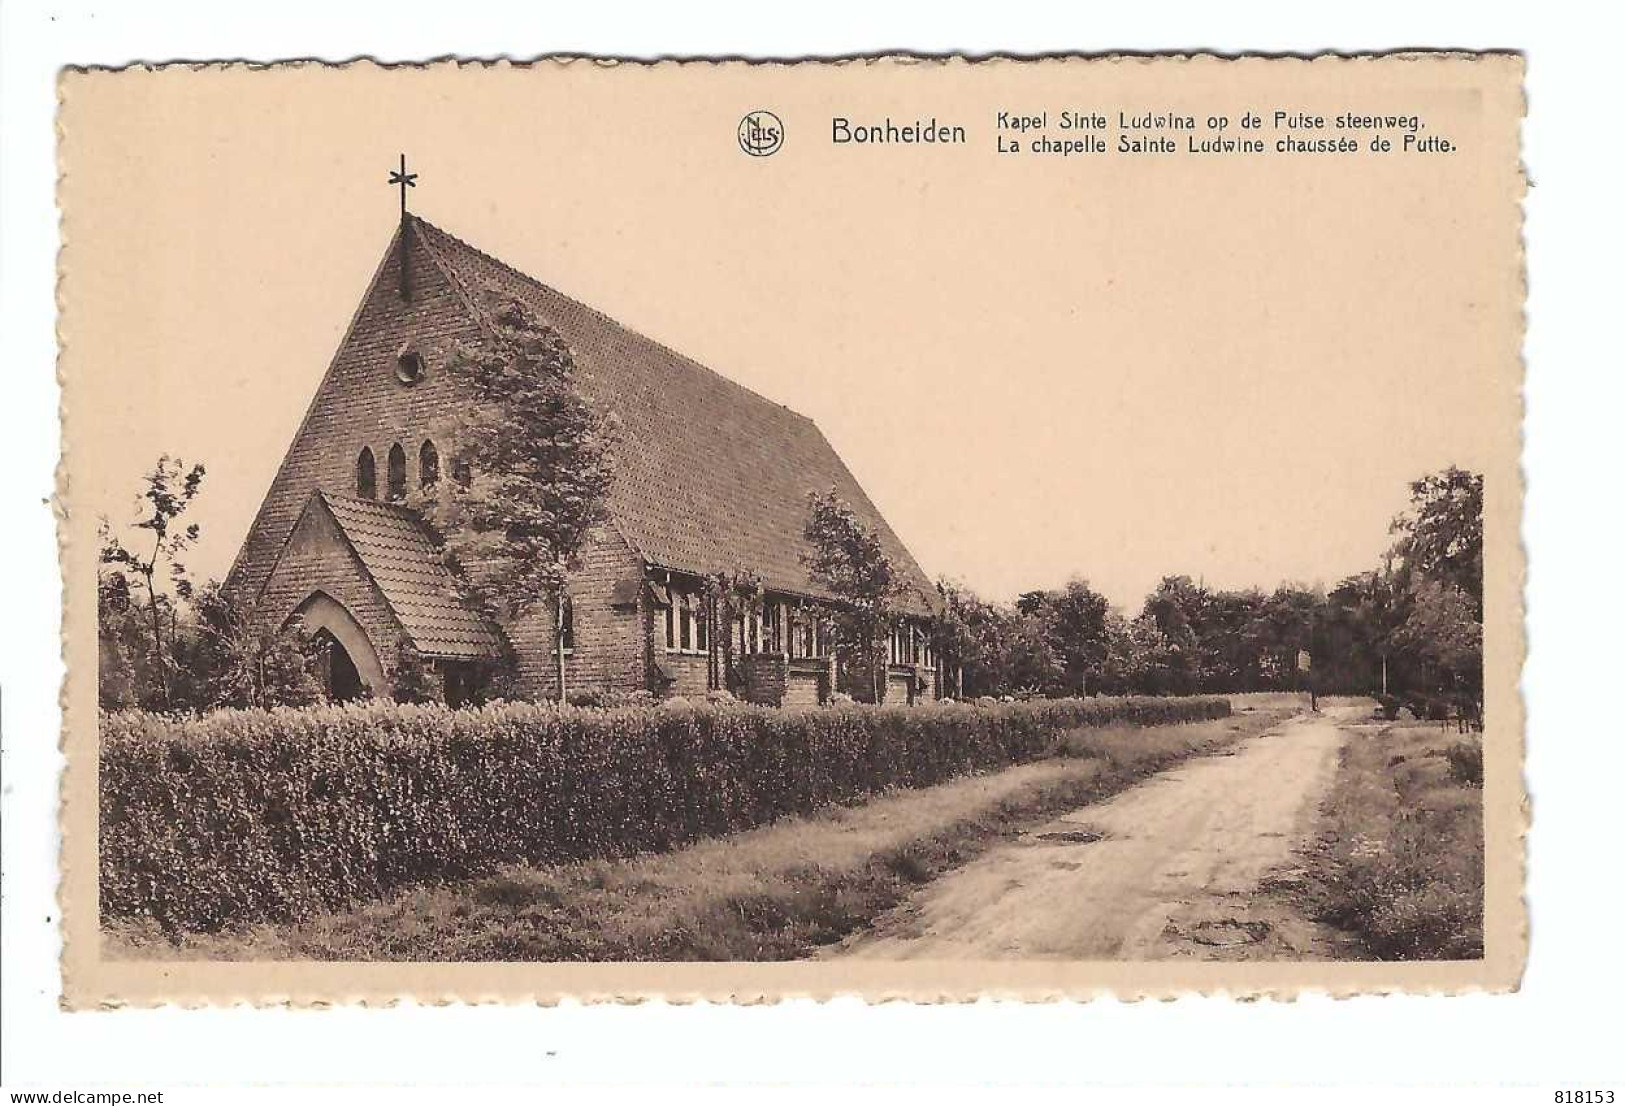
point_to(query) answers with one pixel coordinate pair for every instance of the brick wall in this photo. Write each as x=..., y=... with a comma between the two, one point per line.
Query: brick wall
x=765, y=678
x=609, y=640
x=691, y=672
x=807, y=683
x=855, y=680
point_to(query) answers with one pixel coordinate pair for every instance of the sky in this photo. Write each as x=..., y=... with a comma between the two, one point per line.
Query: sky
x=1037, y=369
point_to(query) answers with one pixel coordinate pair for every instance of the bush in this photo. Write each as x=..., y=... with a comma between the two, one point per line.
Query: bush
x=413, y=680
x=596, y=698
x=1466, y=759
x=273, y=814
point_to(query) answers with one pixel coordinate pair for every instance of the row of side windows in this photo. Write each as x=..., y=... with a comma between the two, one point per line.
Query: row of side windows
x=366, y=471
x=768, y=627
x=910, y=646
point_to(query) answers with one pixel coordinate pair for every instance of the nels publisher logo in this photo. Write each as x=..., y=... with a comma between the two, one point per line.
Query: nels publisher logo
x=761, y=133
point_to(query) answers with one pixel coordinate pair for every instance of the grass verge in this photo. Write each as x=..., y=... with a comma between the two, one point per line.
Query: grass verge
x=778, y=892
x=1399, y=861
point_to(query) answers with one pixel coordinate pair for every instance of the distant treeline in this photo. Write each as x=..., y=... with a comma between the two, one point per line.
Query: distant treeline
x=1419, y=614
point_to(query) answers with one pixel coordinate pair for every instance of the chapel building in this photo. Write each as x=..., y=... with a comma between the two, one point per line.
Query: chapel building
x=709, y=477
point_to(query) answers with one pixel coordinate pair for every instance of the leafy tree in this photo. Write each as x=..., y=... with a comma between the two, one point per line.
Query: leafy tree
x=1441, y=537
x=1116, y=677
x=1073, y=621
x=1138, y=657
x=966, y=633
x=846, y=556
x=160, y=579
x=1434, y=614
x=1284, y=624
x=1446, y=638
x=953, y=635
x=1178, y=608
x=1228, y=661
x=1027, y=661
x=531, y=462
x=119, y=637
x=1363, y=611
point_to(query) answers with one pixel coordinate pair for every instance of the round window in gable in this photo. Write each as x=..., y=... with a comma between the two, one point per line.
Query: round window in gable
x=409, y=367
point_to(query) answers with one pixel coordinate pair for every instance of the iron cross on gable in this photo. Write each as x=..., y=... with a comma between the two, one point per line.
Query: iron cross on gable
x=405, y=180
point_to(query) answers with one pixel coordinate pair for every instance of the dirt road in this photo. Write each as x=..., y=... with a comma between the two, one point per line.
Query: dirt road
x=1174, y=867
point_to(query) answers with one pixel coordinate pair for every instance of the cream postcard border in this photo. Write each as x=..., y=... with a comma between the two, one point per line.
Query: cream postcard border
x=92, y=982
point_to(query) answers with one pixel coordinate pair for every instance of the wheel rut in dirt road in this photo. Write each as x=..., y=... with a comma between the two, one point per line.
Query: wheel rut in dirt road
x=1174, y=867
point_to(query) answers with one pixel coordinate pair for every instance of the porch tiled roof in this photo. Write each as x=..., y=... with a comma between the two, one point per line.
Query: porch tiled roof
x=399, y=553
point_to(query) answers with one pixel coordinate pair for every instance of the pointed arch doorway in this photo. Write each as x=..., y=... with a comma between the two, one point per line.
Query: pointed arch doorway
x=350, y=665
x=340, y=677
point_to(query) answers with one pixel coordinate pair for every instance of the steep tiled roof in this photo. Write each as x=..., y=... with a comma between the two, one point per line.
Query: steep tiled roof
x=711, y=476
x=400, y=555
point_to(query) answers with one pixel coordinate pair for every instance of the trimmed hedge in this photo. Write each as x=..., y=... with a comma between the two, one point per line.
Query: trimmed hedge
x=252, y=815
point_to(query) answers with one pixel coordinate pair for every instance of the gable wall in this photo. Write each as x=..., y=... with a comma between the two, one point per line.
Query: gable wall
x=360, y=403
x=317, y=558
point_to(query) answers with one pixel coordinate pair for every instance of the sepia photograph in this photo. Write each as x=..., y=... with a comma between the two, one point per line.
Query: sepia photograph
x=916, y=527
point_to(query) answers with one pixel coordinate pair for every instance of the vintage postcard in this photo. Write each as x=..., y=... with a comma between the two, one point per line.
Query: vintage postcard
x=916, y=528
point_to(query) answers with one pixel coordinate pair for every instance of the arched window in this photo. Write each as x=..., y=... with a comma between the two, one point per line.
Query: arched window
x=397, y=472
x=366, y=475
x=567, y=623
x=428, y=464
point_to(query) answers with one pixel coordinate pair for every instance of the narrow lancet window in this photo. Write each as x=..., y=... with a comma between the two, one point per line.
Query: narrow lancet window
x=428, y=465
x=366, y=475
x=397, y=472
